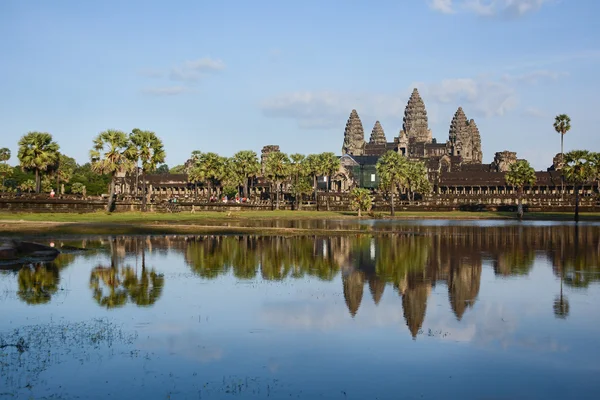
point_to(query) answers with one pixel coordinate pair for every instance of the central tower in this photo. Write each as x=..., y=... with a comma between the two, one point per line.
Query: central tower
x=416, y=125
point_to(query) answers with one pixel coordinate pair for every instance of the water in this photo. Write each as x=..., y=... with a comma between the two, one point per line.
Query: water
x=472, y=310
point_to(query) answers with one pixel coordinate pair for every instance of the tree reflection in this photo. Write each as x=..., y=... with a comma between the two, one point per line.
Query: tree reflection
x=114, y=286
x=38, y=282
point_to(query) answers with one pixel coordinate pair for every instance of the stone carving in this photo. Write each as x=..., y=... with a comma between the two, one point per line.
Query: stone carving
x=557, y=162
x=477, y=154
x=459, y=135
x=402, y=141
x=377, y=134
x=354, y=136
x=464, y=138
x=416, y=124
x=503, y=160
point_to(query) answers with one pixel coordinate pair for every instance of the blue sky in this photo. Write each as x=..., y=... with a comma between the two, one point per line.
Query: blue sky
x=232, y=75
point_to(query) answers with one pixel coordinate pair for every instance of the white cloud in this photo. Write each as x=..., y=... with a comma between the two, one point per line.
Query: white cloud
x=534, y=112
x=482, y=96
x=192, y=71
x=443, y=6
x=489, y=8
x=329, y=109
x=534, y=76
x=165, y=90
x=486, y=97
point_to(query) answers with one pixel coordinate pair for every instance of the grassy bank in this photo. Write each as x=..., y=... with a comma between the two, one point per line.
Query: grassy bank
x=214, y=216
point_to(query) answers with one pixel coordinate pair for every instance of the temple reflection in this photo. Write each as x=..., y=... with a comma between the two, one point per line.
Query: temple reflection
x=409, y=263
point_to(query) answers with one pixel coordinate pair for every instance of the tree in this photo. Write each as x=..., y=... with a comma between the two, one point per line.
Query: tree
x=27, y=186
x=78, y=188
x=178, y=169
x=562, y=125
x=94, y=183
x=209, y=168
x=360, y=200
x=163, y=169
x=391, y=169
x=5, y=169
x=147, y=148
x=243, y=166
x=300, y=182
x=63, y=170
x=277, y=169
x=416, y=179
x=313, y=168
x=37, y=152
x=578, y=170
x=111, y=156
x=519, y=175
x=330, y=164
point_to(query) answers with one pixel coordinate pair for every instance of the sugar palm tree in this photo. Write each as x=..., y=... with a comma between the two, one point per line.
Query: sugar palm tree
x=416, y=178
x=277, y=169
x=244, y=165
x=111, y=155
x=519, y=175
x=209, y=168
x=37, y=152
x=147, y=148
x=5, y=169
x=313, y=168
x=298, y=173
x=578, y=169
x=562, y=125
x=391, y=169
x=360, y=200
x=330, y=164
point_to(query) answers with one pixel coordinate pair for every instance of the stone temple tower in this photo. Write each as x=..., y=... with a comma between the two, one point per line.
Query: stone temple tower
x=465, y=138
x=416, y=124
x=354, y=136
x=377, y=134
x=477, y=155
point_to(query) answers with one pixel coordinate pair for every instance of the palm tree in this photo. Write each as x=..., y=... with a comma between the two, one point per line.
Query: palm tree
x=391, y=169
x=519, y=175
x=37, y=152
x=562, y=125
x=146, y=147
x=277, y=169
x=360, y=200
x=578, y=169
x=38, y=282
x=63, y=170
x=330, y=164
x=208, y=168
x=244, y=165
x=298, y=172
x=111, y=155
x=416, y=179
x=313, y=168
x=5, y=169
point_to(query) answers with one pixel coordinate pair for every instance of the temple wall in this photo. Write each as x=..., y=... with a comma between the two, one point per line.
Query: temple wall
x=337, y=202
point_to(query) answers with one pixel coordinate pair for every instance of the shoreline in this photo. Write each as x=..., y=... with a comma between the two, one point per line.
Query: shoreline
x=241, y=223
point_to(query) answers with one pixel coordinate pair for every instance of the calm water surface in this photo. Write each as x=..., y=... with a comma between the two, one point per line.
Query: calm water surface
x=476, y=310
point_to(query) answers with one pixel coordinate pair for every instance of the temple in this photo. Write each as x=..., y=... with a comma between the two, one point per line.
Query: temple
x=415, y=140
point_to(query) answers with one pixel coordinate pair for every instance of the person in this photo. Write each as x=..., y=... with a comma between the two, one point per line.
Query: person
x=52, y=193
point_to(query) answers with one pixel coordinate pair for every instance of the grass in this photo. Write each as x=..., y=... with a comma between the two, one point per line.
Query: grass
x=216, y=216
x=244, y=222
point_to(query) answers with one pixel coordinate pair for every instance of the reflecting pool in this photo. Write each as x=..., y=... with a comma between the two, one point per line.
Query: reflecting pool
x=431, y=310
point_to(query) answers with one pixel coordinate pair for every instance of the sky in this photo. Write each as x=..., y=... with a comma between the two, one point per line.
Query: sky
x=234, y=75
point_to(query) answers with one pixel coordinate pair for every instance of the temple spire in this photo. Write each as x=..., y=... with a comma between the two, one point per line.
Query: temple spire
x=477, y=156
x=354, y=136
x=459, y=134
x=416, y=124
x=377, y=134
